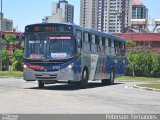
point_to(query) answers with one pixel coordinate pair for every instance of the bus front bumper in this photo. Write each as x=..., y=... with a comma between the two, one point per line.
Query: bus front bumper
x=63, y=75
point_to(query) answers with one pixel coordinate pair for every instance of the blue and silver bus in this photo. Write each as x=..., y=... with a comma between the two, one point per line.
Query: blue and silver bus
x=62, y=52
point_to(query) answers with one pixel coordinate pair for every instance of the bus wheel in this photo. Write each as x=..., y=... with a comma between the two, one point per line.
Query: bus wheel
x=112, y=76
x=84, y=81
x=40, y=84
x=111, y=80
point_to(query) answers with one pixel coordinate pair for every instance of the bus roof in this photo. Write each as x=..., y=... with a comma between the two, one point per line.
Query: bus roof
x=109, y=36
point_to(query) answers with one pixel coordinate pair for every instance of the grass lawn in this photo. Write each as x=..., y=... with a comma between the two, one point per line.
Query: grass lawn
x=11, y=74
x=137, y=79
x=155, y=86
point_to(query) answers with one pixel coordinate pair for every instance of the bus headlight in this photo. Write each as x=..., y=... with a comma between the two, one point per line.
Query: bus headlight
x=24, y=66
x=70, y=66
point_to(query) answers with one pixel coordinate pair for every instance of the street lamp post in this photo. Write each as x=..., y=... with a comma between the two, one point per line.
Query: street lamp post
x=1, y=20
x=1, y=37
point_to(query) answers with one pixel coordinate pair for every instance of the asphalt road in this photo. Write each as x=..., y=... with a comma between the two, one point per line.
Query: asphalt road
x=20, y=97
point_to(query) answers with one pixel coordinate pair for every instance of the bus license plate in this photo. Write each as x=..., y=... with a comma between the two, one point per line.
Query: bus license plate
x=46, y=76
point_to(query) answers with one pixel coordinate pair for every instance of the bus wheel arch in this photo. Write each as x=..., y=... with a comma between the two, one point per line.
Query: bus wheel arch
x=110, y=81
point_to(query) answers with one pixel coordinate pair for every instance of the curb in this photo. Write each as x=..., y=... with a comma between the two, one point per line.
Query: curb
x=146, y=88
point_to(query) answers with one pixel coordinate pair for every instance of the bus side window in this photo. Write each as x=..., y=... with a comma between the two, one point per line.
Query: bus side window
x=103, y=44
x=93, y=44
x=112, y=44
x=123, y=48
x=116, y=47
x=78, y=34
x=86, y=38
x=100, y=40
x=109, y=42
x=120, y=47
x=124, y=45
x=100, y=46
x=90, y=40
x=107, y=48
x=86, y=42
x=112, y=47
x=97, y=40
x=78, y=40
x=103, y=41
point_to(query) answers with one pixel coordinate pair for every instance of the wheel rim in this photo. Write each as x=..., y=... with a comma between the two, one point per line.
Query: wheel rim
x=85, y=75
x=112, y=76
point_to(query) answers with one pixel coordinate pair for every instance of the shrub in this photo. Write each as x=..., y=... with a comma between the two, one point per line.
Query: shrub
x=18, y=60
x=144, y=64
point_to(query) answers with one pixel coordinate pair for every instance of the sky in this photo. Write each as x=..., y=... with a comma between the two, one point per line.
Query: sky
x=24, y=12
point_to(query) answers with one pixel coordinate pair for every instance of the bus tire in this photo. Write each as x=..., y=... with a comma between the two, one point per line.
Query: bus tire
x=111, y=80
x=112, y=76
x=84, y=81
x=40, y=84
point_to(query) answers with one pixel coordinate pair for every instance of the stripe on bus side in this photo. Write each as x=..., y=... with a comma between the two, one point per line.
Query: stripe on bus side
x=94, y=62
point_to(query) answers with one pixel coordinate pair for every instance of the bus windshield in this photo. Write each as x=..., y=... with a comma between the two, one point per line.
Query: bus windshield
x=61, y=47
x=49, y=47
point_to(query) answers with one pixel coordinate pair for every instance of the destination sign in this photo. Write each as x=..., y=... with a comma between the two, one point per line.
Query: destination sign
x=48, y=28
x=60, y=38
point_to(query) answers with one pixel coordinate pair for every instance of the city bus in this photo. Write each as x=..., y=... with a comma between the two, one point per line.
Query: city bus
x=68, y=53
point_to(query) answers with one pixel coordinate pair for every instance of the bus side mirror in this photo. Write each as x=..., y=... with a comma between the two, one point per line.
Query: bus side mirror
x=20, y=39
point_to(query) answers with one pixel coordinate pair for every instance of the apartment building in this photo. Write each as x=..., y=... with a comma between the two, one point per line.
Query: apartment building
x=139, y=10
x=111, y=16
x=114, y=15
x=88, y=14
x=7, y=25
x=61, y=12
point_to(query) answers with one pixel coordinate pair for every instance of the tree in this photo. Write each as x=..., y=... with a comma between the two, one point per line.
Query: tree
x=5, y=59
x=12, y=56
x=18, y=60
x=10, y=39
x=131, y=43
x=146, y=64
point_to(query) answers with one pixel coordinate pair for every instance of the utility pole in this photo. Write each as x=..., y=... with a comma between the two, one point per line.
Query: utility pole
x=1, y=38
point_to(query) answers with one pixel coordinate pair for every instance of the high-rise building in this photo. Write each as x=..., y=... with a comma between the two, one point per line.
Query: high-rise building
x=7, y=25
x=89, y=12
x=112, y=16
x=61, y=12
x=139, y=10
